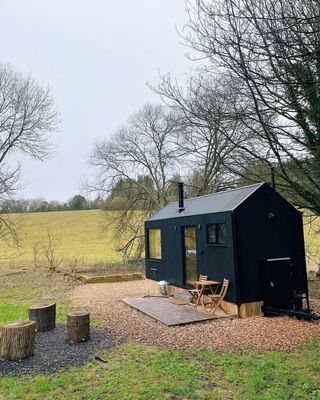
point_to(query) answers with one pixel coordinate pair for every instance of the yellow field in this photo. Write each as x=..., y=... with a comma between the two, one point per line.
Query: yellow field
x=78, y=237
x=312, y=242
x=80, y=240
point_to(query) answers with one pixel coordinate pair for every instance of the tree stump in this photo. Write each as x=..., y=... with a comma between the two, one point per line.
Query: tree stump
x=17, y=340
x=44, y=315
x=78, y=327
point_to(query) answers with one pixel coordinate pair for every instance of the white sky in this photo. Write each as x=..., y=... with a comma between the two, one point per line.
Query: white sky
x=96, y=56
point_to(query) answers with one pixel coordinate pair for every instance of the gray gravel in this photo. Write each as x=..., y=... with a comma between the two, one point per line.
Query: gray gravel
x=105, y=301
x=54, y=353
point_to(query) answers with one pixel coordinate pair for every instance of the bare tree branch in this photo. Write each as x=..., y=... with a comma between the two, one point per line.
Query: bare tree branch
x=27, y=119
x=270, y=49
x=145, y=156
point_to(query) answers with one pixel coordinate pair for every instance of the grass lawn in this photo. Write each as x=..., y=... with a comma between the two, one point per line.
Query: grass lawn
x=137, y=372
x=134, y=372
x=20, y=290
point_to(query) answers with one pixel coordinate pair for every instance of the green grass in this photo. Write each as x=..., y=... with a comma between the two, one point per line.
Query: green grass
x=134, y=372
x=11, y=311
x=138, y=372
x=20, y=291
x=271, y=375
x=34, y=288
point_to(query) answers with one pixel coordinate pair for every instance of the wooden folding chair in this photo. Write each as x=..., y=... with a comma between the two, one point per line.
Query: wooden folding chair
x=216, y=299
x=195, y=293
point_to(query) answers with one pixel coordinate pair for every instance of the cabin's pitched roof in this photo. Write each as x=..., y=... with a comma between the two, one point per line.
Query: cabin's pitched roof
x=223, y=201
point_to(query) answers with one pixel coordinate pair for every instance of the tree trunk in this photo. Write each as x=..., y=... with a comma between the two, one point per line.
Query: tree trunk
x=44, y=315
x=78, y=326
x=17, y=340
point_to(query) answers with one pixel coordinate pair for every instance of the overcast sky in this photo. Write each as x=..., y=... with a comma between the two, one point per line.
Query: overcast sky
x=96, y=56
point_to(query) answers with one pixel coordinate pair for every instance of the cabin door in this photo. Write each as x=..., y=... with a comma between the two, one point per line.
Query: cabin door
x=190, y=253
x=278, y=285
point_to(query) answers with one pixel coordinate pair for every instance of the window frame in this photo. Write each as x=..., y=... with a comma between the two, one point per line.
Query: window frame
x=148, y=244
x=217, y=234
x=182, y=230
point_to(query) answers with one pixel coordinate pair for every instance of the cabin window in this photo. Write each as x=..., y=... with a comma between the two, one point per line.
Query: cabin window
x=216, y=234
x=154, y=243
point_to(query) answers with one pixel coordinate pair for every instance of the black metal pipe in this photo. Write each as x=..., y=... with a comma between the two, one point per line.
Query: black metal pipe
x=181, y=197
x=273, y=179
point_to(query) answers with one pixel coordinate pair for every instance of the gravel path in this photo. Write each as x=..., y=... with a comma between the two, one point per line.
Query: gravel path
x=53, y=352
x=104, y=300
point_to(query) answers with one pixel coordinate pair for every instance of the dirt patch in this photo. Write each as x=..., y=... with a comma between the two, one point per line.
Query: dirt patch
x=104, y=300
x=34, y=285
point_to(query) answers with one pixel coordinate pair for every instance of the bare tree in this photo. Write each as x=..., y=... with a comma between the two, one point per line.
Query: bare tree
x=36, y=248
x=49, y=252
x=144, y=155
x=271, y=49
x=27, y=118
x=44, y=252
x=212, y=138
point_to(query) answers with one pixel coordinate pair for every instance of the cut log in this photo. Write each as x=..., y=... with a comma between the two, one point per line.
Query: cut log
x=78, y=327
x=17, y=341
x=44, y=315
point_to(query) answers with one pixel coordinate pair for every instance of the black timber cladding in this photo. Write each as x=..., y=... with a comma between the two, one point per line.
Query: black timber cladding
x=267, y=227
x=260, y=224
x=216, y=261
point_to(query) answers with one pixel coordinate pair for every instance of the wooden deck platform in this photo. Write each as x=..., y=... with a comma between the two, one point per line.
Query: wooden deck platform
x=162, y=309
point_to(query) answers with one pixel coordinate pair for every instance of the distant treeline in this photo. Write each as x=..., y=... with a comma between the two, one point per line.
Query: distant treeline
x=77, y=202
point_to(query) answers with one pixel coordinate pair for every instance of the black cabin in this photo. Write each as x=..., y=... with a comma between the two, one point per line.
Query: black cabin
x=249, y=235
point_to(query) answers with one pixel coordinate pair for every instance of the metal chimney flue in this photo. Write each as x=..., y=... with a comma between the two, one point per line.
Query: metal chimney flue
x=181, y=197
x=273, y=179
